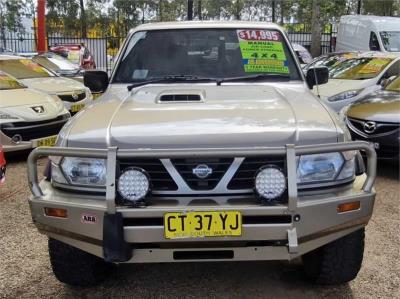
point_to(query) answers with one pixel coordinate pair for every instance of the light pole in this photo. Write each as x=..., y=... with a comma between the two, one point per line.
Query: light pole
x=41, y=21
x=190, y=10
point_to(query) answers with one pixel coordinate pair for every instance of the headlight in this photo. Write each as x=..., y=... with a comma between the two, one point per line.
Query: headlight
x=345, y=95
x=325, y=167
x=88, y=94
x=4, y=116
x=133, y=184
x=80, y=171
x=59, y=103
x=343, y=113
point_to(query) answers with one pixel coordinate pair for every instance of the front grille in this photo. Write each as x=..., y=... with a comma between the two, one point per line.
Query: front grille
x=388, y=152
x=159, y=177
x=381, y=127
x=70, y=97
x=244, y=176
x=34, y=130
x=243, y=179
x=185, y=168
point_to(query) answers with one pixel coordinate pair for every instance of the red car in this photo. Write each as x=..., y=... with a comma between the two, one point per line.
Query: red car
x=2, y=166
x=78, y=54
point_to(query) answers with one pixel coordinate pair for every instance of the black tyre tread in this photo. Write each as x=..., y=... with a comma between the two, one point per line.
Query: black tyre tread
x=337, y=262
x=76, y=267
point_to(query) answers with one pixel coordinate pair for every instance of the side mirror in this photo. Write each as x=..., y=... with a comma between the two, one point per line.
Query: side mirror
x=317, y=75
x=97, y=81
x=374, y=47
x=300, y=58
x=386, y=81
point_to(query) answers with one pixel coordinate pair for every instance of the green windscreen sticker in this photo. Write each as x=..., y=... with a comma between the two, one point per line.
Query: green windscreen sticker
x=262, y=51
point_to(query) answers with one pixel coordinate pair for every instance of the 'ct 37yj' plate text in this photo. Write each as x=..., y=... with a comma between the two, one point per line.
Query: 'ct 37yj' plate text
x=202, y=224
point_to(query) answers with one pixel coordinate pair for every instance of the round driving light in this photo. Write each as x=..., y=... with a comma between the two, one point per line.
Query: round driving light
x=270, y=182
x=17, y=138
x=133, y=184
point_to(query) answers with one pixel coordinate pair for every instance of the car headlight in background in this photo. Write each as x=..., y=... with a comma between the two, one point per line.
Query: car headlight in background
x=348, y=94
x=80, y=171
x=343, y=113
x=59, y=103
x=320, y=168
x=6, y=116
x=88, y=94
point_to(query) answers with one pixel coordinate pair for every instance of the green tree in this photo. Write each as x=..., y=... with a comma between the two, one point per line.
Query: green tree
x=62, y=17
x=381, y=8
x=11, y=13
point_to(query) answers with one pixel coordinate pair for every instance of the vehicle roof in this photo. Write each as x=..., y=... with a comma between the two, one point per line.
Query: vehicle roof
x=48, y=55
x=377, y=54
x=380, y=22
x=360, y=54
x=206, y=24
x=67, y=45
x=342, y=53
x=9, y=57
x=298, y=47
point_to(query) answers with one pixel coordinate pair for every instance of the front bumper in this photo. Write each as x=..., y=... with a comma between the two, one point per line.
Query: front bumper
x=75, y=107
x=282, y=232
x=32, y=133
x=386, y=146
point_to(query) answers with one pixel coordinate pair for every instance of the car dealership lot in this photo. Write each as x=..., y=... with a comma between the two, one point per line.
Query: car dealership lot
x=25, y=269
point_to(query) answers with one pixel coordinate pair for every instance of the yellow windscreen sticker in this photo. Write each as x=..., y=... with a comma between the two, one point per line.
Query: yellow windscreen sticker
x=374, y=66
x=8, y=82
x=33, y=66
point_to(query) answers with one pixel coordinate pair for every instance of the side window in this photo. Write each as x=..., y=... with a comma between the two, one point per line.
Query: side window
x=373, y=42
x=86, y=53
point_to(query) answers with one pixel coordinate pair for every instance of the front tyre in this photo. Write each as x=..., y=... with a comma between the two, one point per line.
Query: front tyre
x=76, y=267
x=337, y=262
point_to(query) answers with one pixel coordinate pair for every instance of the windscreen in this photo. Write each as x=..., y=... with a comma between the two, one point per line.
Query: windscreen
x=55, y=63
x=211, y=53
x=23, y=69
x=394, y=85
x=8, y=82
x=359, y=68
x=391, y=40
x=330, y=61
x=74, y=55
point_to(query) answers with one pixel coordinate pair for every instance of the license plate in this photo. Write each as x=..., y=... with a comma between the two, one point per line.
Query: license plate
x=49, y=141
x=96, y=95
x=202, y=224
x=77, y=107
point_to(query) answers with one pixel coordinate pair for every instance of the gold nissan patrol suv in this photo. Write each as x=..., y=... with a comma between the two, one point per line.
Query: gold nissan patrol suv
x=207, y=145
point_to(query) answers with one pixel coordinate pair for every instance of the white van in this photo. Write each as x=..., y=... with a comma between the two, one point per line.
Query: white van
x=368, y=33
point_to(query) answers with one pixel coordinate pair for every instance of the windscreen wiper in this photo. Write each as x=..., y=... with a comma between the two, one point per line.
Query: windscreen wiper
x=253, y=77
x=171, y=79
x=190, y=78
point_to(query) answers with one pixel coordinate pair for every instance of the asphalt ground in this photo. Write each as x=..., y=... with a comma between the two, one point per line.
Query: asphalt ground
x=25, y=270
